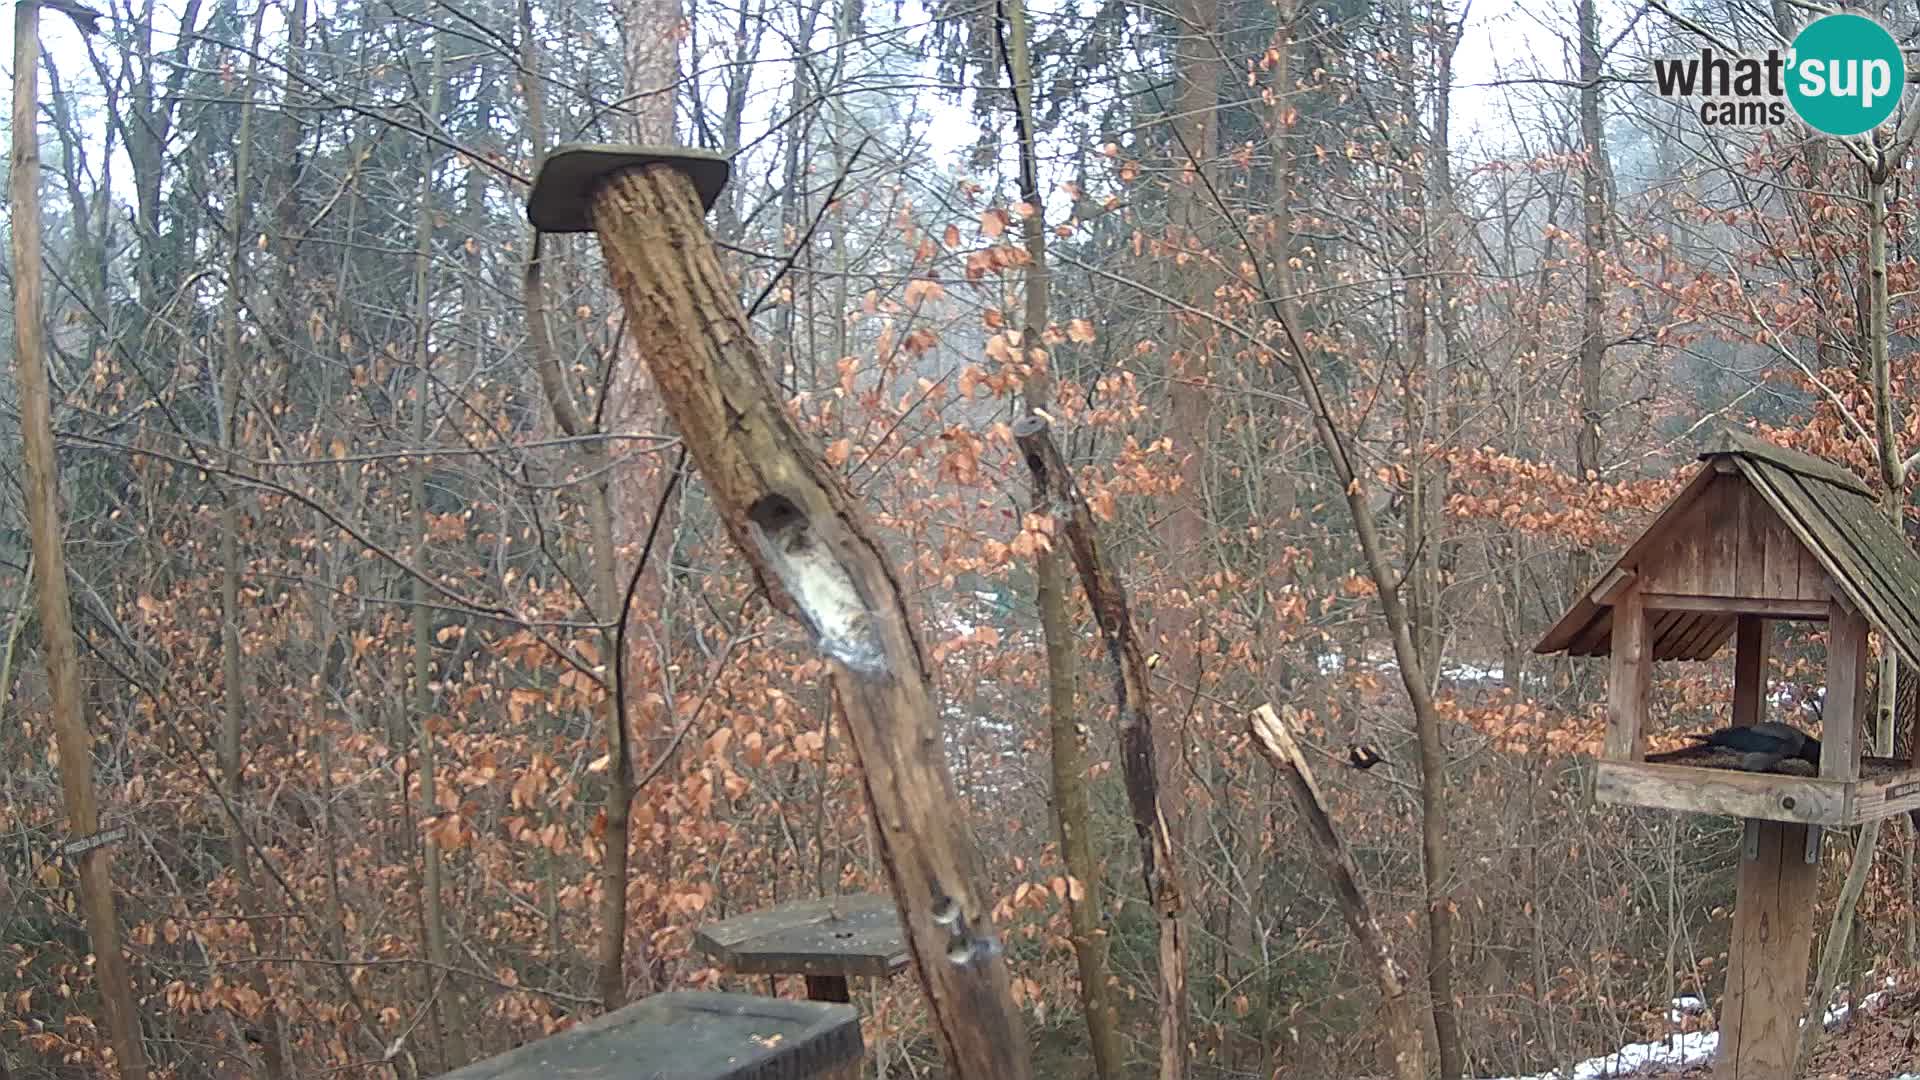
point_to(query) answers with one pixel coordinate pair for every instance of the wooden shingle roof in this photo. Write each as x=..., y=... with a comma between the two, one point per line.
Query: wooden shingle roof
x=1832, y=514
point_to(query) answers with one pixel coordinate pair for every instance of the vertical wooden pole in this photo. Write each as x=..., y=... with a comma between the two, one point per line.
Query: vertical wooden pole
x=74, y=742
x=1751, y=644
x=828, y=988
x=1630, y=677
x=1767, y=961
x=1846, y=693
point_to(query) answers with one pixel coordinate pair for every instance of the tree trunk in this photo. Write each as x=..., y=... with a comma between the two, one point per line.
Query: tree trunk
x=1593, y=216
x=1107, y=596
x=610, y=979
x=809, y=541
x=1071, y=811
x=73, y=742
x=1436, y=856
x=232, y=777
x=440, y=989
x=1183, y=534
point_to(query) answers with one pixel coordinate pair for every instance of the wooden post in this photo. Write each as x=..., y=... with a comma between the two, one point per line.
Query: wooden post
x=1846, y=693
x=828, y=988
x=809, y=540
x=1751, y=642
x=1631, y=674
x=41, y=476
x=1767, y=960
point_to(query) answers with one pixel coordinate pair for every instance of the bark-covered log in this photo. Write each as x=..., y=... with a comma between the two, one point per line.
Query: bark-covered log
x=1107, y=595
x=1277, y=745
x=811, y=543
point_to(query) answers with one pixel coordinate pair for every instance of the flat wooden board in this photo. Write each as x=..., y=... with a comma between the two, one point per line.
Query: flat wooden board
x=842, y=935
x=1767, y=796
x=692, y=1036
x=1709, y=780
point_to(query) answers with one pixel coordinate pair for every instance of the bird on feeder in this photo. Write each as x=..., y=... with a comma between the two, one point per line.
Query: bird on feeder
x=1764, y=744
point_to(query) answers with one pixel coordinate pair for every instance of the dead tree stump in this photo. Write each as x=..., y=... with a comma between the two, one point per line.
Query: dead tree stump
x=810, y=542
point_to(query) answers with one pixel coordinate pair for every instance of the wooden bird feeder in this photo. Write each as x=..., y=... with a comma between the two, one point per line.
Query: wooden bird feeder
x=693, y=1036
x=824, y=940
x=1760, y=534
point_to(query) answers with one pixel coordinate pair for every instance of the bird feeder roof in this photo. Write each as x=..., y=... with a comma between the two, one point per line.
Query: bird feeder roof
x=1765, y=524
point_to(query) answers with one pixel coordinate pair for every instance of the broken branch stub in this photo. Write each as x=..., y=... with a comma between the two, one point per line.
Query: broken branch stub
x=1275, y=742
x=810, y=542
x=1107, y=595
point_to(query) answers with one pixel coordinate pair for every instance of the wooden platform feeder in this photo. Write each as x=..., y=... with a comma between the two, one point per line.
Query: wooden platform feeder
x=824, y=940
x=693, y=1036
x=1759, y=534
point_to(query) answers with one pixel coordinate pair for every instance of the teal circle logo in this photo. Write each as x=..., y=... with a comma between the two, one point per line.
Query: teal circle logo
x=1846, y=74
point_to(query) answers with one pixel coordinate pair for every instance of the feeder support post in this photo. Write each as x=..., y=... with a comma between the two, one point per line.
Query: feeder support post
x=810, y=542
x=1629, y=679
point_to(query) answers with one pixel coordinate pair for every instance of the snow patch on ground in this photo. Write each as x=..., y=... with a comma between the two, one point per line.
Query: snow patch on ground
x=1690, y=1048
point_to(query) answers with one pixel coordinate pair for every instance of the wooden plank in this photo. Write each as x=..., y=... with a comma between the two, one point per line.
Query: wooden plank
x=1631, y=675
x=693, y=1036
x=1713, y=632
x=1610, y=585
x=1886, y=798
x=1668, y=641
x=1752, y=641
x=1745, y=445
x=1750, y=520
x=1878, y=564
x=1868, y=536
x=1769, y=796
x=1806, y=610
x=836, y=936
x=1720, y=537
x=1846, y=694
x=1814, y=528
x=1802, y=574
x=1767, y=959
x=1595, y=637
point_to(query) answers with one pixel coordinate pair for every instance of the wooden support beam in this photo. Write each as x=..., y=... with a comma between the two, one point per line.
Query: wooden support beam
x=1751, y=643
x=1809, y=610
x=1767, y=962
x=1846, y=693
x=1631, y=676
x=809, y=539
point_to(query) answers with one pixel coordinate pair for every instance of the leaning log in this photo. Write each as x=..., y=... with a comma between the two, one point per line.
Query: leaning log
x=1276, y=743
x=810, y=542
